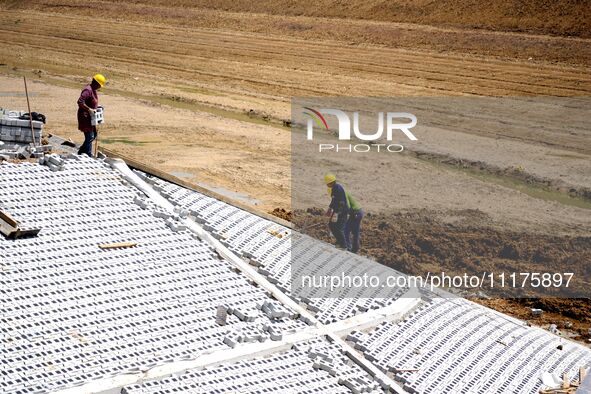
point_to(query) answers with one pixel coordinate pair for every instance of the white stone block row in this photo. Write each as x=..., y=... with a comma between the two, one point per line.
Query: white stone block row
x=452, y=345
x=7, y=113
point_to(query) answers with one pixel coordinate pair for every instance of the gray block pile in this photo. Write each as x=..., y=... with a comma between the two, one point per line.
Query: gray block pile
x=13, y=129
x=53, y=161
x=18, y=151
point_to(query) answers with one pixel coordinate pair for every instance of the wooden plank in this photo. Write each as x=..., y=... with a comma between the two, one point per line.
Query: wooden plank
x=118, y=245
x=8, y=219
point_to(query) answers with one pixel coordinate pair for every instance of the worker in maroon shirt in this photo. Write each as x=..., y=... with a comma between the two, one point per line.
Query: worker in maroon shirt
x=87, y=104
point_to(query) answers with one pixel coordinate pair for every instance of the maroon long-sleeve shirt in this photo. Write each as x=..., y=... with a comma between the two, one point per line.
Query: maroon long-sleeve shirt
x=89, y=97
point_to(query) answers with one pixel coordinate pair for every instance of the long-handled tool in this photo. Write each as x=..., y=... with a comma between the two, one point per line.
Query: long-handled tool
x=30, y=115
x=96, y=143
x=96, y=118
x=317, y=224
x=329, y=223
x=310, y=226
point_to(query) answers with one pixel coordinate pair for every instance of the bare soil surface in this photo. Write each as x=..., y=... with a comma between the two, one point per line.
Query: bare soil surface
x=571, y=316
x=554, y=28
x=562, y=17
x=201, y=147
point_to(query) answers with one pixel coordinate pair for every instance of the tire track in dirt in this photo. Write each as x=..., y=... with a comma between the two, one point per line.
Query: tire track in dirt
x=460, y=39
x=246, y=44
x=284, y=88
x=147, y=66
x=476, y=82
x=444, y=85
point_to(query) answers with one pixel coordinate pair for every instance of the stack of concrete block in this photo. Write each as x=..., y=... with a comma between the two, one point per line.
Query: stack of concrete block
x=39, y=151
x=175, y=225
x=13, y=129
x=276, y=310
x=221, y=317
x=5, y=112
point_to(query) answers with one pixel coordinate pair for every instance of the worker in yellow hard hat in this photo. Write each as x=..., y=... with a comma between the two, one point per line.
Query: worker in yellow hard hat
x=87, y=104
x=355, y=215
x=338, y=205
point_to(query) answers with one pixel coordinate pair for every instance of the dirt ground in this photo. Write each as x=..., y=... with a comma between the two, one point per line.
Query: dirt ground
x=197, y=146
x=203, y=90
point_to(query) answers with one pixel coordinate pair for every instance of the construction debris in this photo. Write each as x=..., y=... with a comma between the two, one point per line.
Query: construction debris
x=536, y=312
x=17, y=151
x=221, y=316
x=278, y=234
x=13, y=229
x=556, y=386
x=282, y=213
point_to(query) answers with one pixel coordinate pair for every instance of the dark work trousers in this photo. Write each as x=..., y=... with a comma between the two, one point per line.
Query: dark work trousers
x=338, y=229
x=86, y=146
x=353, y=226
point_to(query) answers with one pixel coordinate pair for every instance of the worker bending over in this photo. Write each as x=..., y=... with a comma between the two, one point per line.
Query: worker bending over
x=87, y=104
x=349, y=215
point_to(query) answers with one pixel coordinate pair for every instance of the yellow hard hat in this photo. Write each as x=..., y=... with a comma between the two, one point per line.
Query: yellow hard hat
x=329, y=178
x=100, y=78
